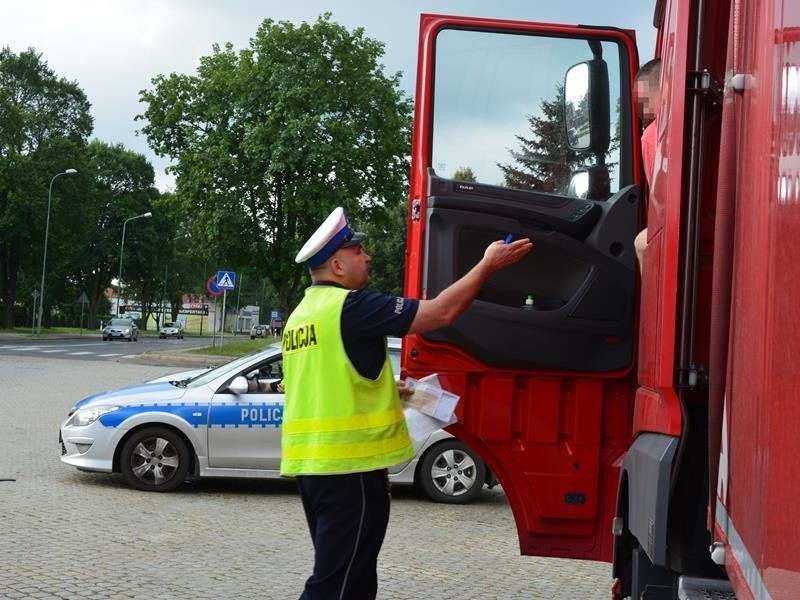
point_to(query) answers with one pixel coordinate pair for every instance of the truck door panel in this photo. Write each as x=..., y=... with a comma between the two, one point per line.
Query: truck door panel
x=580, y=276
x=546, y=391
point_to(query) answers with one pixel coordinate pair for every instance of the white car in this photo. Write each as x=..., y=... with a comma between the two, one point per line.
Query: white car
x=202, y=423
x=123, y=329
x=171, y=330
x=259, y=330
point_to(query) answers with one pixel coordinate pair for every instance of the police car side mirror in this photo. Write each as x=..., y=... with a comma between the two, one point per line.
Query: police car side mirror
x=239, y=385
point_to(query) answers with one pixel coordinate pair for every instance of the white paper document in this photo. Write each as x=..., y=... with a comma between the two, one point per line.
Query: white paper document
x=431, y=399
x=428, y=409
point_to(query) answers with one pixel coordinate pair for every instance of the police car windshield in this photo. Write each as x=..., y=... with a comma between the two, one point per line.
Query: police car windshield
x=238, y=364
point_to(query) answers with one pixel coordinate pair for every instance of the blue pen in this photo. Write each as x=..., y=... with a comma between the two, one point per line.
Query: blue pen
x=509, y=237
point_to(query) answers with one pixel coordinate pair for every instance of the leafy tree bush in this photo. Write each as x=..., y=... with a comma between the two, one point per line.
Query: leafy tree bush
x=269, y=139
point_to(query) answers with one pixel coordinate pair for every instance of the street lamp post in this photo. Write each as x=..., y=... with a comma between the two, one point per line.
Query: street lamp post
x=44, y=257
x=146, y=215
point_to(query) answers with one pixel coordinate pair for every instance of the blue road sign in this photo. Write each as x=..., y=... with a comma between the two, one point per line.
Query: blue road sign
x=226, y=280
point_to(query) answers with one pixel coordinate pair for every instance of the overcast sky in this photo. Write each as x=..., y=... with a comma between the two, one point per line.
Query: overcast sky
x=112, y=48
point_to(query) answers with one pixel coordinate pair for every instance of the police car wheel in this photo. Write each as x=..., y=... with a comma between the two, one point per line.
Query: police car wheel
x=154, y=459
x=451, y=472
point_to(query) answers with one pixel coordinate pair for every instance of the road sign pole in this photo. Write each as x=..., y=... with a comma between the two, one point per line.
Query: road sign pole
x=211, y=286
x=35, y=296
x=214, y=327
x=239, y=303
x=83, y=300
x=226, y=280
x=222, y=329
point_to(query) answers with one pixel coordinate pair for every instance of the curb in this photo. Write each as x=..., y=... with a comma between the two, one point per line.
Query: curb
x=179, y=359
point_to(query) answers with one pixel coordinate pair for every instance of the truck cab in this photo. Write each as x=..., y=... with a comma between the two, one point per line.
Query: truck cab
x=608, y=403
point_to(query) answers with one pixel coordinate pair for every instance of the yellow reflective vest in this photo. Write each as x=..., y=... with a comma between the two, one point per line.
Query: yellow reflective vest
x=335, y=420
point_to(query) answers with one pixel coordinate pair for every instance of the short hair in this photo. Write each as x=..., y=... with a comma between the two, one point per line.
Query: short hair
x=650, y=71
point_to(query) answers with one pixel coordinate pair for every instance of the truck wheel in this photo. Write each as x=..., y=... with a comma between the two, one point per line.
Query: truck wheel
x=451, y=472
x=154, y=459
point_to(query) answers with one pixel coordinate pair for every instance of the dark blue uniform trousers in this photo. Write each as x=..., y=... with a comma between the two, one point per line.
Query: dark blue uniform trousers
x=347, y=517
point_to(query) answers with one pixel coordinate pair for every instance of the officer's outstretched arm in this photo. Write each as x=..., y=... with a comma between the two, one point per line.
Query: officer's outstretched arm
x=454, y=300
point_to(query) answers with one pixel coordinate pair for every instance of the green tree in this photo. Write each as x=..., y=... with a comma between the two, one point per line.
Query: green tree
x=168, y=263
x=121, y=187
x=44, y=125
x=544, y=162
x=268, y=140
x=386, y=244
x=149, y=248
x=183, y=272
x=465, y=174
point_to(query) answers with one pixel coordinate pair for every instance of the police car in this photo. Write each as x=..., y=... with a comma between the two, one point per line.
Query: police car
x=204, y=423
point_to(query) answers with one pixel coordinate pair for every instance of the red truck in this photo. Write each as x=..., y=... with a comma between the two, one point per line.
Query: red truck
x=649, y=420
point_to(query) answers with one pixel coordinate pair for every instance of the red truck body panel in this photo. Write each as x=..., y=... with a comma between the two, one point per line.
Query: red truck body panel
x=759, y=477
x=657, y=406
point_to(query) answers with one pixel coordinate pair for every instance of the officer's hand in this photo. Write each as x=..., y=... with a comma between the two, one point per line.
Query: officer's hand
x=402, y=389
x=499, y=255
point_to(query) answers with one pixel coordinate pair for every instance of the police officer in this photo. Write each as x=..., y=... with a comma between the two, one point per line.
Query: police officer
x=343, y=422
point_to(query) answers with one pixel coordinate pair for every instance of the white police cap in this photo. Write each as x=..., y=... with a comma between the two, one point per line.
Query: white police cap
x=333, y=234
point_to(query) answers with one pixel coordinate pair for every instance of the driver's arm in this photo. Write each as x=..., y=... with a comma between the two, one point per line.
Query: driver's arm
x=263, y=386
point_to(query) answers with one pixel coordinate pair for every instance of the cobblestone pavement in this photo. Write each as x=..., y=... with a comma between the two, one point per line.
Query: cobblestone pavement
x=67, y=534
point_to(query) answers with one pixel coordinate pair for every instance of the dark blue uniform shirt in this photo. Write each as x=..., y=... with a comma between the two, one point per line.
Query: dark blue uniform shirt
x=367, y=318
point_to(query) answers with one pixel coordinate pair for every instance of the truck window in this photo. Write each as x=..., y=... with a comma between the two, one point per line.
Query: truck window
x=499, y=118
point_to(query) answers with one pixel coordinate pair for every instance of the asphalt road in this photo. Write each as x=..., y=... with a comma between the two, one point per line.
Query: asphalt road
x=74, y=535
x=91, y=346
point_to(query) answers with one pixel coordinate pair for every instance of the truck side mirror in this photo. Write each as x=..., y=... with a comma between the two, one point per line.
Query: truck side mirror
x=586, y=107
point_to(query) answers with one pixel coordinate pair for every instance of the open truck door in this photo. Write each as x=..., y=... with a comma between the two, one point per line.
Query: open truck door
x=529, y=130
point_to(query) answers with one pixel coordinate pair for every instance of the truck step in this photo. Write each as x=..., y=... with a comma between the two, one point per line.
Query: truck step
x=699, y=588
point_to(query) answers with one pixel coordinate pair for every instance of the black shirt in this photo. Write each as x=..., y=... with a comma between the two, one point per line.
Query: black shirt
x=367, y=318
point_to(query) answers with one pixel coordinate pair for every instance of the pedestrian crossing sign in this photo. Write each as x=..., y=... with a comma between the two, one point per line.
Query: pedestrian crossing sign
x=226, y=280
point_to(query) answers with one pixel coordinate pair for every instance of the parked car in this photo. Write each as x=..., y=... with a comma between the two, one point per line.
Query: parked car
x=259, y=331
x=171, y=330
x=201, y=423
x=121, y=329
